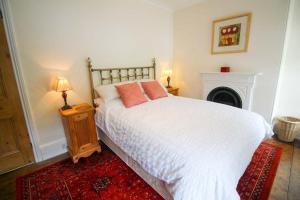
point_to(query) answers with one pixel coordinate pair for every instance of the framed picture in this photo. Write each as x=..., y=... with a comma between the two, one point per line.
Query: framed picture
x=231, y=35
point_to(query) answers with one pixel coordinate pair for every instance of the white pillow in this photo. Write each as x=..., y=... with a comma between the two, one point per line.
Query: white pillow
x=107, y=92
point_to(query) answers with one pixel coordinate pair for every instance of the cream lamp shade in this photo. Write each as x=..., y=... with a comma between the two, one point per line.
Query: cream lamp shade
x=167, y=72
x=62, y=84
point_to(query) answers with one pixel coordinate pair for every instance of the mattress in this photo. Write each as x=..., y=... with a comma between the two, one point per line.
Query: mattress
x=197, y=149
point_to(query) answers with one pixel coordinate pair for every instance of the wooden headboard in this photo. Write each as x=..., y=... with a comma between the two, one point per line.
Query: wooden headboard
x=111, y=75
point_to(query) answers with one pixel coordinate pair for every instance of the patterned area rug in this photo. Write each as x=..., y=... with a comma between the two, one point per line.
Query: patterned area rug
x=256, y=183
x=106, y=177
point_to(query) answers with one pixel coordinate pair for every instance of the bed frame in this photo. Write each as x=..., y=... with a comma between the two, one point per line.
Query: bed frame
x=105, y=76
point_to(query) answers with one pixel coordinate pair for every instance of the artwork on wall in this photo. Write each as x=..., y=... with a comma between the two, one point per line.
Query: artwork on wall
x=231, y=35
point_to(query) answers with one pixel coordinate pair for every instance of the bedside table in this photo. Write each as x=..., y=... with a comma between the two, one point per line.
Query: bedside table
x=173, y=90
x=80, y=130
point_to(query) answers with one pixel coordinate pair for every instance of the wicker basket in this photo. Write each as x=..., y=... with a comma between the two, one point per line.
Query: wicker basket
x=286, y=128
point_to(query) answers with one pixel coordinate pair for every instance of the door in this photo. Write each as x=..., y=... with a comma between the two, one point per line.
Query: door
x=15, y=146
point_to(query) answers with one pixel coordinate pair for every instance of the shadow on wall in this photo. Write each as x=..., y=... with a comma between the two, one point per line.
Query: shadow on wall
x=44, y=101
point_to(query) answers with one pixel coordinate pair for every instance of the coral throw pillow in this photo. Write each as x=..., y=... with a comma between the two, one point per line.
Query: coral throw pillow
x=131, y=94
x=154, y=90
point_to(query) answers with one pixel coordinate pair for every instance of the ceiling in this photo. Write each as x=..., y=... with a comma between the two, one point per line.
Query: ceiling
x=175, y=4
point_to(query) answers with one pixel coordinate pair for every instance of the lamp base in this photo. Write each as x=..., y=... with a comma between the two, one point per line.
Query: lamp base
x=66, y=107
x=168, y=80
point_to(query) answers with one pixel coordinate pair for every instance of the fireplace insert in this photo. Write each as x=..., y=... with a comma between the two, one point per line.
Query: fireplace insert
x=225, y=95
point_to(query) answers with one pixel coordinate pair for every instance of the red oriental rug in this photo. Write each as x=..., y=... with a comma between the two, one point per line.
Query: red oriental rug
x=104, y=176
x=256, y=182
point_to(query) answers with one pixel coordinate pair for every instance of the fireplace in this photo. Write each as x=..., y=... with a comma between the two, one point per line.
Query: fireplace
x=225, y=95
x=233, y=88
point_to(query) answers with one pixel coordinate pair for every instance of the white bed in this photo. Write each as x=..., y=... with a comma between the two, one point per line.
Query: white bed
x=184, y=148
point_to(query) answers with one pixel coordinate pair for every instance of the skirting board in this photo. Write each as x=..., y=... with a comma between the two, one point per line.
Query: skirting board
x=54, y=148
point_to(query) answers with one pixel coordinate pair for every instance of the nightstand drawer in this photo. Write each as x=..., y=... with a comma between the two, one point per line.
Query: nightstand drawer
x=80, y=117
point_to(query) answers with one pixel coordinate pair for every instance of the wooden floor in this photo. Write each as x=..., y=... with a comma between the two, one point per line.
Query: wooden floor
x=286, y=185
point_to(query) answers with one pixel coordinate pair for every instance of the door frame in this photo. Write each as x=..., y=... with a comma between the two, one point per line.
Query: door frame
x=32, y=131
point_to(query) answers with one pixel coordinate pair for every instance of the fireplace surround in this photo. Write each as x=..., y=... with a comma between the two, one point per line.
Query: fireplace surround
x=232, y=88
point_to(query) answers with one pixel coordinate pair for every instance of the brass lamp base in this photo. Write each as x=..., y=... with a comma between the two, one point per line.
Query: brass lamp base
x=168, y=80
x=66, y=107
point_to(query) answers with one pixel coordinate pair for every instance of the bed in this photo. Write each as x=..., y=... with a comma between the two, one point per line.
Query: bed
x=184, y=148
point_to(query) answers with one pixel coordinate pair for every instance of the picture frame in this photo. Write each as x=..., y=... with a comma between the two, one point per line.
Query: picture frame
x=231, y=34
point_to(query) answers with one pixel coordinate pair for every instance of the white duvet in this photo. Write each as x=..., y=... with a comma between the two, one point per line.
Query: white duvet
x=199, y=148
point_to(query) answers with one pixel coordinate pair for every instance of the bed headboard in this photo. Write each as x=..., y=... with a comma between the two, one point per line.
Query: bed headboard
x=105, y=76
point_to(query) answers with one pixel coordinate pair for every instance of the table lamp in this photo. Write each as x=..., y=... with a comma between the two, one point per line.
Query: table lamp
x=63, y=85
x=168, y=72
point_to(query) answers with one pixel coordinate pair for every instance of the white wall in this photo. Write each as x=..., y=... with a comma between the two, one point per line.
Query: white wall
x=288, y=97
x=192, y=44
x=54, y=38
x=288, y=94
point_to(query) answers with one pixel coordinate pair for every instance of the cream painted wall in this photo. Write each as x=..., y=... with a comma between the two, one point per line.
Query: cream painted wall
x=55, y=37
x=192, y=44
x=288, y=94
x=288, y=97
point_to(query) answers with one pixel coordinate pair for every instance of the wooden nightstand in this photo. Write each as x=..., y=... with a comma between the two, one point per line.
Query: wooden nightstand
x=80, y=130
x=173, y=90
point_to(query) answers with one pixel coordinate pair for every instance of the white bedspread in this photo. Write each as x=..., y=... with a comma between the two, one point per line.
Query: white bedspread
x=200, y=149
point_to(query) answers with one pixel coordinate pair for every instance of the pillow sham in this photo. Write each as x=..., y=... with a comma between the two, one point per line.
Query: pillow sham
x=131, y=94
x=149, y=80
x=107, y=92
x=154, y=90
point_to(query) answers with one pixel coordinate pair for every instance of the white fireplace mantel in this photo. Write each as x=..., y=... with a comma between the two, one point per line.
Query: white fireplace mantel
x=241, y=82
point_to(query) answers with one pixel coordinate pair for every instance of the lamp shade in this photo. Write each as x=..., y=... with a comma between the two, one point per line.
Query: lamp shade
x=167, y=72
x=62, y=84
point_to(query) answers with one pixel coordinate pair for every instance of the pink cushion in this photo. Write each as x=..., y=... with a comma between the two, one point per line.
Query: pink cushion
x=154, y=90
x=131, y=94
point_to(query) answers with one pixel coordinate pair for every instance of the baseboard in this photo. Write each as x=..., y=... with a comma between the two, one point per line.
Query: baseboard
x=53, y=148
